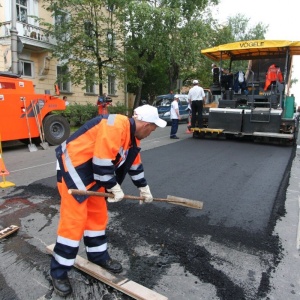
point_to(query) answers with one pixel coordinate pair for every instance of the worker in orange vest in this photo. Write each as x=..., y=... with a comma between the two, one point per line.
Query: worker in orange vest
x=97, y=157
x=273, y=74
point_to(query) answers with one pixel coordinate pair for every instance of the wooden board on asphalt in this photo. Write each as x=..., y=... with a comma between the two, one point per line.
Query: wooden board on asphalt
x=8, y=230
x=119, y=282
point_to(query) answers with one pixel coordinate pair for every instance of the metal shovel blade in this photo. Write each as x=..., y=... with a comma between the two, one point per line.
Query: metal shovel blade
x=32, y=147
x=44, y=145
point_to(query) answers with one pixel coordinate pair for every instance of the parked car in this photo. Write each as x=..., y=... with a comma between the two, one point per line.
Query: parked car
x=163, y=104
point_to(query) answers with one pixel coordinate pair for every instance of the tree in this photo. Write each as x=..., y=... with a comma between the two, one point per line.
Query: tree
x=86, y=33
x=241, y=31
x=236, y=28
x=143, y=28
x=152, y=31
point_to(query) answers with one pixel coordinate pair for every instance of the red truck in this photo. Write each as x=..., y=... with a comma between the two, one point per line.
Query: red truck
x=26, y=116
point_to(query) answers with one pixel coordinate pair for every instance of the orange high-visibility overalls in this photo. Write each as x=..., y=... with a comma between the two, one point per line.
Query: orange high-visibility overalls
x=273, y=74
x=96, y=157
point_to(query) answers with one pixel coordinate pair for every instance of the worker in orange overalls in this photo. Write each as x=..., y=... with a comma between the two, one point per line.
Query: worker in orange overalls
x=102, y=103
x=96, y=158
x=273, y=74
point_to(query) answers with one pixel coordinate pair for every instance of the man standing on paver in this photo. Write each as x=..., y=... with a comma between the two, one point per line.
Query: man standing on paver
x=196, y=98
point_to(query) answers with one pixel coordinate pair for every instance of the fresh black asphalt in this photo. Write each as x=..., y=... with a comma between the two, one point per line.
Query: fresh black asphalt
x=243, y=187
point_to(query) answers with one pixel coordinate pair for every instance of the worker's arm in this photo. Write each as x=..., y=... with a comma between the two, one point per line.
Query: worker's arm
x=177, y=113
x=111, y=143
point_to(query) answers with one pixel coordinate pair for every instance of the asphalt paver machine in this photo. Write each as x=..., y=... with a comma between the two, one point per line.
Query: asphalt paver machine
x=252, y=79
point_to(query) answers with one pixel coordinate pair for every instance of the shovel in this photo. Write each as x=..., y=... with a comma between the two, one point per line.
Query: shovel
x=43, y=144
x=32, y=147
x=170, y=199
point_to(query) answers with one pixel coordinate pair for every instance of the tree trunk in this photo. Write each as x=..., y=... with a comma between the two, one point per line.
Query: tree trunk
x=173, y=76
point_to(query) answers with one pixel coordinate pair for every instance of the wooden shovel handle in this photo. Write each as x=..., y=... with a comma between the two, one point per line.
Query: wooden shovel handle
x=171, y=199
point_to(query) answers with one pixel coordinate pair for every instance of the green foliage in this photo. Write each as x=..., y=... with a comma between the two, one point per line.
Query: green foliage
x=81, y=32
x=163, y=38
x=118, y=108
x=235, y=29
x=78, y=114
x=240, y=30
x=154, y=42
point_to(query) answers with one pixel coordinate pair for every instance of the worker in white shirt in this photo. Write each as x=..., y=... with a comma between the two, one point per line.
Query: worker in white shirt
x=196, y=98
x=175, y=117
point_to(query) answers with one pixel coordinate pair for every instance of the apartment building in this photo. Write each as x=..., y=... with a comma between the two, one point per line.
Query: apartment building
x=34, y=58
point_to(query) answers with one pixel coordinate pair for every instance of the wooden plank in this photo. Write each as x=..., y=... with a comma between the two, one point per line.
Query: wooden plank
x=8, y=230
x=119, y=282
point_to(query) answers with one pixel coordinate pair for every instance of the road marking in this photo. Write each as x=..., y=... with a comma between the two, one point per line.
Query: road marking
x=32, y=167
x=155, y=139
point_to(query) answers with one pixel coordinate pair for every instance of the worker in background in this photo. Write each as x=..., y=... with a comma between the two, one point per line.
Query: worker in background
x=102, y=103
x=227, y=79
x=96, y=158
x=196, y=98
x=215, y=70
x=65, y=98
x=273, y=75
x=175, y=117
x=101, y=99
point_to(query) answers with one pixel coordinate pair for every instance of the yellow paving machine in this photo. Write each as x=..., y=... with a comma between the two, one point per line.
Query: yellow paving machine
x=253, y=91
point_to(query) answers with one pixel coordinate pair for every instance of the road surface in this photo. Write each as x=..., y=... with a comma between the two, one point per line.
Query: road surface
x=242, y=245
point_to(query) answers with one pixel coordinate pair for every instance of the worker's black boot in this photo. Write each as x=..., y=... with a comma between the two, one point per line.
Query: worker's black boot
x=62, y=286
x=103, y=260
x=111, y=265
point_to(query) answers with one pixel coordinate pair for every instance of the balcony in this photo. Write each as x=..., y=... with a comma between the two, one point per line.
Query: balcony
x=33, y=38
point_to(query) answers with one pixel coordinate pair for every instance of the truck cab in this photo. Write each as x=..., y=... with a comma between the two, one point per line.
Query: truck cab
x=23, y=112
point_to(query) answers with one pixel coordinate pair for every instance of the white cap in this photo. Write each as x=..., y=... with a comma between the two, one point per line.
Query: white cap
x=176, y=96
x=195, y=81
x=149, y=113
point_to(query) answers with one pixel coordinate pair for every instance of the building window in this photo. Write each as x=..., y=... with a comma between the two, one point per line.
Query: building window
x=63, y=78
x=89, y=83
x=60, y=18
x=111, y=85
x=89, y=86
x=21, y=6
x=61, y=28
x=27, y=68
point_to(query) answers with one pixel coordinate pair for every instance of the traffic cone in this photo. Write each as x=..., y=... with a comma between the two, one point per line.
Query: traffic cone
x=4, y=171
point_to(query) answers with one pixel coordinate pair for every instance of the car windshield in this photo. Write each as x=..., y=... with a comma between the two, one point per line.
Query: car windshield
x=163, y=102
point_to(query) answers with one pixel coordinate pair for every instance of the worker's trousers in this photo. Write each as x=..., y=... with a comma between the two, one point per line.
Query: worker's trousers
x=88, y=220
x=174, y=127
x=197, y=108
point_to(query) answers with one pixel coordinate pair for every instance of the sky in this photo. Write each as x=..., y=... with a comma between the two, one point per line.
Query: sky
x=281, y=16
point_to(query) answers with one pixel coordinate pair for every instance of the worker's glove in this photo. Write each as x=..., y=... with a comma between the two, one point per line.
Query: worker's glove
x=145, y=193
x=118, y=193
